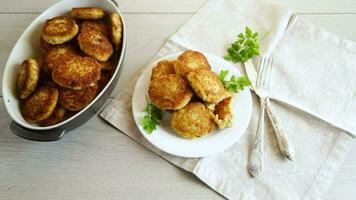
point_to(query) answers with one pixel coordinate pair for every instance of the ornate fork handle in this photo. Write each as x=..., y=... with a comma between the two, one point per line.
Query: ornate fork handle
x=283, y=142
x=256, y=157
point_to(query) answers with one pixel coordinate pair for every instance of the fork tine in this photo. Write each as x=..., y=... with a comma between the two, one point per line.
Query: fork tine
x=258, y=74
x=264, y=71
x=260, y=70
x=269, y=72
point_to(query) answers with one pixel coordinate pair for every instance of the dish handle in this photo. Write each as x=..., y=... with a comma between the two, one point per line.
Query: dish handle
x=45, y=135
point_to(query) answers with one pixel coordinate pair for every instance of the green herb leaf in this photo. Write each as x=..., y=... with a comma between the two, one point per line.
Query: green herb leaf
x=245, y=47
x=234, y=84
x=152, y=117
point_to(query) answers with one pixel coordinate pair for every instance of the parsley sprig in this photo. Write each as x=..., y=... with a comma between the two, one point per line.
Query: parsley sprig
x=234, y=84
x=244, y=48
x=152, y=117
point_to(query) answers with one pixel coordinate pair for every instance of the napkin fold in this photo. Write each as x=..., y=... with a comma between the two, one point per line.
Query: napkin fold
x=312, y=81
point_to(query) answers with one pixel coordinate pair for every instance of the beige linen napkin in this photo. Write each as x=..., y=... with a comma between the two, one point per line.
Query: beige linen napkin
x=312, y=72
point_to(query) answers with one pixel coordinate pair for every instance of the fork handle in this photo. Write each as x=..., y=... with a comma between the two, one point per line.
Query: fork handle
x=255, y=164
x=284, y=145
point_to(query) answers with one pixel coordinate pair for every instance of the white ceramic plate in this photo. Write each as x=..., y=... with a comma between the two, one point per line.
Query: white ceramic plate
x=165, y=138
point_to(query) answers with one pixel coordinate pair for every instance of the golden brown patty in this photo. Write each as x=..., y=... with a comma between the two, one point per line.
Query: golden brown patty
x=189, y=61
x=115, y=30
x=56, y=117
x=27, y=78
x=98, y=25
x=108, y=65
x=224, y=113
x=87, y=13
x=207, y=86
x=59, y=30
x=170, y=92
x=77, y=73
x=75, y=100
x=40, y=105
x=194, y=120
x=56, y=56
x=104, y=79
x=163, y=67
x=95, y=44
x=45, y=46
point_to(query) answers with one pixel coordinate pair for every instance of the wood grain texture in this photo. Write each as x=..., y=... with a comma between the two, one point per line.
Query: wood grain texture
x=185, y=6
x=98, y=162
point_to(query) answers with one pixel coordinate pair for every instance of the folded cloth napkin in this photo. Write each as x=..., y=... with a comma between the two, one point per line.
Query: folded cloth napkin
x=312, y=79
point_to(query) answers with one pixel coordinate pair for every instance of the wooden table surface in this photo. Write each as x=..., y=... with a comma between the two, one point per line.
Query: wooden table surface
x=96, y=161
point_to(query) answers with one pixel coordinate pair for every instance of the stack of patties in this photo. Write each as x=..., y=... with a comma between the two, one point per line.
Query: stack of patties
x=78, y=61
x=173, y=86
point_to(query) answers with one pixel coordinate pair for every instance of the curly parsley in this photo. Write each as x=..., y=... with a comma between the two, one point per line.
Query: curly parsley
x=152, y=117
x=234, y=84
x=244, y=48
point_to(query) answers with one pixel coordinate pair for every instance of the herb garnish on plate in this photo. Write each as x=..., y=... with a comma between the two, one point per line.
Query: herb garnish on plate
x=234, y=84
x=152, y=117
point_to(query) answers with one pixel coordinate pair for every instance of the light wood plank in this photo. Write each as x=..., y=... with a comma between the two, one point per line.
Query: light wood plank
x=186, y=6
x=93, y=162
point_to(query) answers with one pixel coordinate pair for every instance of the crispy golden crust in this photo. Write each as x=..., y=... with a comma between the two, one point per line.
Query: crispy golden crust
x=75, y=100
x=163, y=67
x=77, y=73
x=59, y=30
x=27, y=78
x=170, y=92
x=40, y=105
x=95, y=44
x=194, y=120
x=108, y=65
x=56, y=117
x=207, y=86
x=104, y=79
x=115, y=30
x=98, y=25
x=224, y=113
x=45, y=46
x=189, y=61
x=87, y=13
x=57, y=55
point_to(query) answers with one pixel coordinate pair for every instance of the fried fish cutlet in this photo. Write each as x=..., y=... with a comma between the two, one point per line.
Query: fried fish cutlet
x=108, y=65
x=163, y=67
x=189, y=61
x=75, y=100
x=207, y=86
x=56, y=56
x=40, y=105
x=87, y=13
x=224, y=113
x=105, y=77
x=95, y=44
x=170, y=92
x=59, y=30
x=27, y=78
x=56, y=117
x=194, y=120
x=115, y=29
x=98, y=25
x=45, y=46
x=77, y=73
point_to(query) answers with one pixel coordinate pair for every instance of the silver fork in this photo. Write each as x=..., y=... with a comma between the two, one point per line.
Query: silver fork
x=255, y=163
